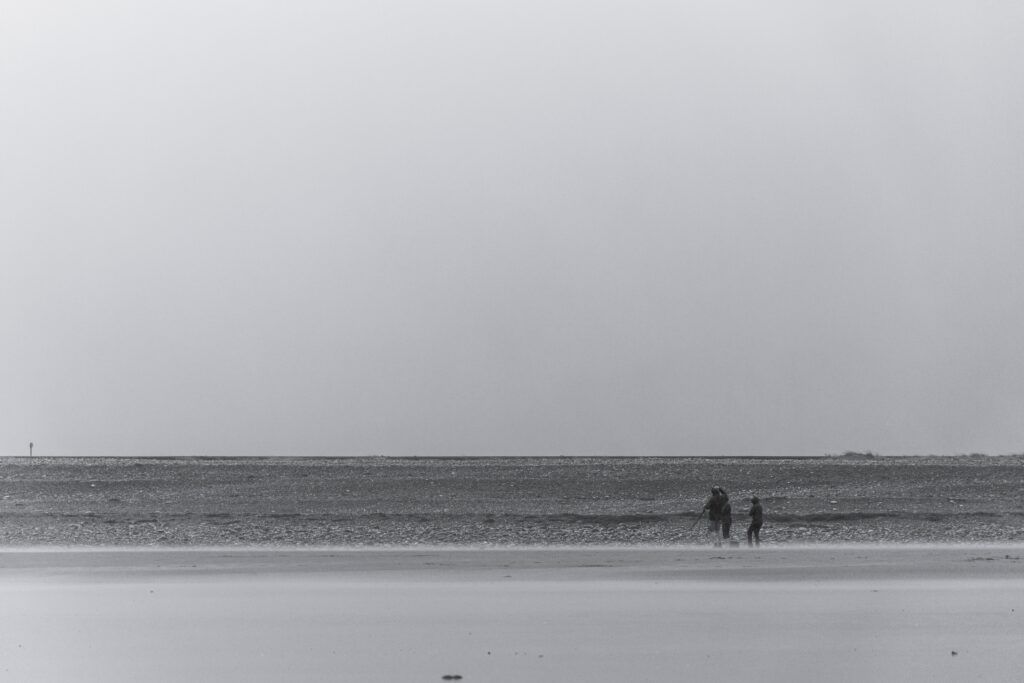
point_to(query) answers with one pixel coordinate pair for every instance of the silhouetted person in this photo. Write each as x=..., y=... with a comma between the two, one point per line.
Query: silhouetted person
x=714, y=508
x=726, y=513
x=756, y=520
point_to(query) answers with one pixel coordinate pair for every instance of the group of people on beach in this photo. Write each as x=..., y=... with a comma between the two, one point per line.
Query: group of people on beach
x=719, y=511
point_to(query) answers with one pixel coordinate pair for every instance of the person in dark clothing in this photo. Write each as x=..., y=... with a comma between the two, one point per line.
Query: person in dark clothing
x=714, y=508
x=726, y=515
x=756, y=520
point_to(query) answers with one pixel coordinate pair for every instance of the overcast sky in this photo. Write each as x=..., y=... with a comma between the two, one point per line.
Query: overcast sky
x=511, y=228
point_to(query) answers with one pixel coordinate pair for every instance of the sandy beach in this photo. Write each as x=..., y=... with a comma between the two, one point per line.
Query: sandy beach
x=846, y=613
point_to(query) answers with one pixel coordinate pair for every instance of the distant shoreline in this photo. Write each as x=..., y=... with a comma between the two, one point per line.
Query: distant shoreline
x=874, y=456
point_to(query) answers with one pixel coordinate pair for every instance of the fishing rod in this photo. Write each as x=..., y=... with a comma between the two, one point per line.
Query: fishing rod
x=696, y=521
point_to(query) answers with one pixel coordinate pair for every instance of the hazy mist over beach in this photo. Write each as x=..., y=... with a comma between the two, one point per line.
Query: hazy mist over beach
x=529, y=228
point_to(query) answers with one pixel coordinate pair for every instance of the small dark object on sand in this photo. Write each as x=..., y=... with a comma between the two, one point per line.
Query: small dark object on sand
x=953, y=653
x=451, y=677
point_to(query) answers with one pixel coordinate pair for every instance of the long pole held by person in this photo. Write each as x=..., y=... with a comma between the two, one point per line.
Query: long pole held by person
x=696, y=521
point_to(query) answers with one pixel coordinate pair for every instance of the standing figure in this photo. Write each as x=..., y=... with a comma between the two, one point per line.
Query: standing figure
x=756, y=520
x=726, y=513
x=714, y=508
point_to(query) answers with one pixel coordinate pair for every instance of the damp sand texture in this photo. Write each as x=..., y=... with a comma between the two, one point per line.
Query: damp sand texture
x=787, y=614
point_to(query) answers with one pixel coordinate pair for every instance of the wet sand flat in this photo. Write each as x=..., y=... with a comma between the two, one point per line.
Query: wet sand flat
x=596, y=614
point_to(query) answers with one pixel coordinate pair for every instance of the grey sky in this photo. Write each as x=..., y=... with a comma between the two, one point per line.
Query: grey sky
x=511, y=228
